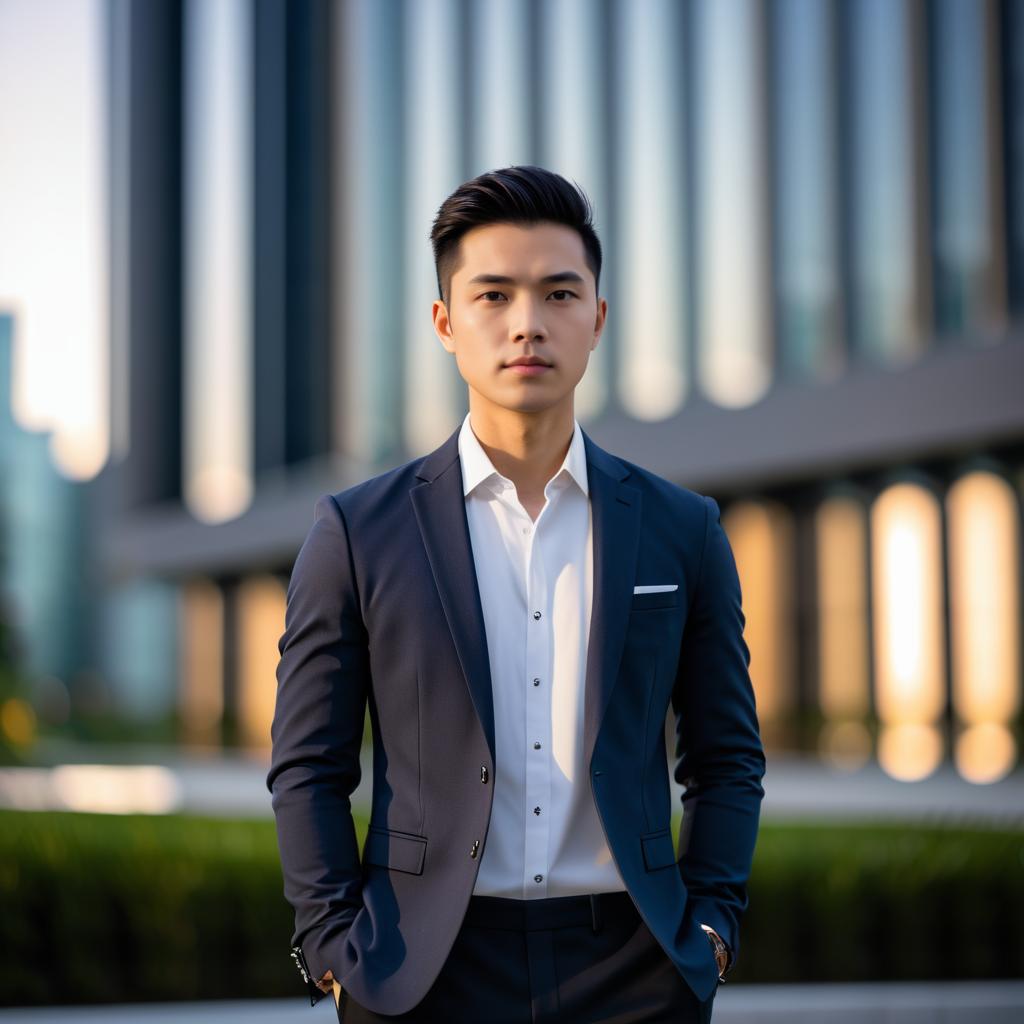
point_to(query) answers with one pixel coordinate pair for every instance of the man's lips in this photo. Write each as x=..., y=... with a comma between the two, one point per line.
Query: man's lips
x=528, y=369
x=528, y=366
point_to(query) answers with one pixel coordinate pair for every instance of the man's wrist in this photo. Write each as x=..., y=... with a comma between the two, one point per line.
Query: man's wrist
x=722, y=952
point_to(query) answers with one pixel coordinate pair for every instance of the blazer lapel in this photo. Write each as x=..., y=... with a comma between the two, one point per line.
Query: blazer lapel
x=441, y=513
x=615, y=507
x=440, y=508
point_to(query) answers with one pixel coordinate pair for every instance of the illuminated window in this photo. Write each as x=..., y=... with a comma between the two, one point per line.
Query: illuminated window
x=261, y=610
x=909, y=629
x=201, y=687
x=840, y=542
x=984, y=596
x=762, y=538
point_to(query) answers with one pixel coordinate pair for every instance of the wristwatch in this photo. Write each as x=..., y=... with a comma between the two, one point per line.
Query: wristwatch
x=315, y=992
x=720, y=947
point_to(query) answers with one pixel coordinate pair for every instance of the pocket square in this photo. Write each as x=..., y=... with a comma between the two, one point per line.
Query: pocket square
x=655, y=588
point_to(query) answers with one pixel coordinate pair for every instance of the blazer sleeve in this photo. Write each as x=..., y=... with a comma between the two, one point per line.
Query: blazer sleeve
x=322, y=685
x=719, y=755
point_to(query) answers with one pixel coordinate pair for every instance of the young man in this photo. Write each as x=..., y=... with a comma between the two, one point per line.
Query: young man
x=520, y=608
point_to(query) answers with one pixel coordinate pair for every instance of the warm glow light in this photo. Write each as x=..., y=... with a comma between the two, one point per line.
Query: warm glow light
x=907, y=590
x=201, y=691
x=261, y=608
x=761, y=536
x=840, y=537
x=116, y=789
x=984, y=599
x=846, y=746
x=985, y=753
x=53, y=212
x=17, y=721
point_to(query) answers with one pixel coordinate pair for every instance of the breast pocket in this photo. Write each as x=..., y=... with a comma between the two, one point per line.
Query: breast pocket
x=655, y=599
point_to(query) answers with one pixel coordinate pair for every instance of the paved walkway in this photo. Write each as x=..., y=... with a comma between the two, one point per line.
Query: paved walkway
x=997, y=1002
x=233, y=785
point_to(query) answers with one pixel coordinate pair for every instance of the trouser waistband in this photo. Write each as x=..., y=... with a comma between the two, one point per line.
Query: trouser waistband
x=550, y=912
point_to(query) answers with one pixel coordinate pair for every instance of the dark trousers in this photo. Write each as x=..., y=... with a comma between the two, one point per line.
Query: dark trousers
x=566, y=959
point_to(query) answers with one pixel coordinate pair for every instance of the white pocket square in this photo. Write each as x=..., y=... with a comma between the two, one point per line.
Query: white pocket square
x=656, y=588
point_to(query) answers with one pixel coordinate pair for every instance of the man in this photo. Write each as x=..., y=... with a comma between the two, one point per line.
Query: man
x=519, y=608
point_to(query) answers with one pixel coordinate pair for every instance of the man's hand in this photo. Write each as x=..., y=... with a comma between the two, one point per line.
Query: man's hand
x=327, y=984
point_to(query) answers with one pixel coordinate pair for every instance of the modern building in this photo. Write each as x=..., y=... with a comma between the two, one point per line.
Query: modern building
x=813, y=220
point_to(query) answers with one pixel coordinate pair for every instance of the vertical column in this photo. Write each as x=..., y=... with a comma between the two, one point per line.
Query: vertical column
x=291, y=233
x=734, y=304
x=571, y=38
x=367, y=243
x=807, y=270
x=145, y=82
x=218, y=237
x=500, y=97
x=650, y=197
x=889, y=286
x=967, y=202
x=435, y=135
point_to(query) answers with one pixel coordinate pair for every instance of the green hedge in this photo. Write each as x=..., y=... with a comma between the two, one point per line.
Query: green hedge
x=104, y=908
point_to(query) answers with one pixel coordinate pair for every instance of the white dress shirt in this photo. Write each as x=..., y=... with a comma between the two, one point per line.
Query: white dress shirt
x=536, y=587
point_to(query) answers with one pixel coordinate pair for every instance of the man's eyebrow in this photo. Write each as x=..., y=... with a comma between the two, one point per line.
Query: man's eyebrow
x=562, y=275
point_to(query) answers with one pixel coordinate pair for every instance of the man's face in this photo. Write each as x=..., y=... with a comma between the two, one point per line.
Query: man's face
x=521, y=291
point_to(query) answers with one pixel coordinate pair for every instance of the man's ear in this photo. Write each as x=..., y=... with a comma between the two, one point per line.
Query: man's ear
x=443, y=325
x=602, y=314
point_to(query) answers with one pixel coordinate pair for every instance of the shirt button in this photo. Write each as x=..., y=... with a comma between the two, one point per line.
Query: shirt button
x=536, y=746
x=536, y=615
x=538, y=878
x=526, y=529
x=536, y=810
x=483, y=773
x=536, y=681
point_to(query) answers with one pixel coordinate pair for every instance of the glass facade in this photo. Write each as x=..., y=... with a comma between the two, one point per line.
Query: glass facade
x=792, y=195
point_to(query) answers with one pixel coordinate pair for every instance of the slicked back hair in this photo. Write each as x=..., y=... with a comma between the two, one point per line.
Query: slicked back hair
x=522, y=194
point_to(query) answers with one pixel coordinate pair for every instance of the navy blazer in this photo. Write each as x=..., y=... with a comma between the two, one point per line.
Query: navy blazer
x=383, y=607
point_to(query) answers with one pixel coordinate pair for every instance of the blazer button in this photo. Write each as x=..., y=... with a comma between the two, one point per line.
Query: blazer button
x=476, y=846
x=483, y=773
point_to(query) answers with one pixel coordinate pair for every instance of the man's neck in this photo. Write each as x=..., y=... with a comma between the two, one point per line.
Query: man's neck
x=526, y=447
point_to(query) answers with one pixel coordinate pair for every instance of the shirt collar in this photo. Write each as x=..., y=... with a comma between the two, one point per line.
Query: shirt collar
x=477, y=466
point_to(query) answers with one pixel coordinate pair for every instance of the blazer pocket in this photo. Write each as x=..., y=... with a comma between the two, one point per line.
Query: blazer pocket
x=655, y=599
x=402, y=851
x=658, y=849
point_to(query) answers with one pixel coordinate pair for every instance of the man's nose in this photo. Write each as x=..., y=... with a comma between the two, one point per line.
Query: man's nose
x=528, y=319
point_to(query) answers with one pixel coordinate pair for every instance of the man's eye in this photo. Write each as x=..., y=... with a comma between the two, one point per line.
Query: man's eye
x=563, y=291
x=490, y=294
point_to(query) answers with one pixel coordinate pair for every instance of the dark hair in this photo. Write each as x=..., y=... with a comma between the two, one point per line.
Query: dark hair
x=522, y=194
